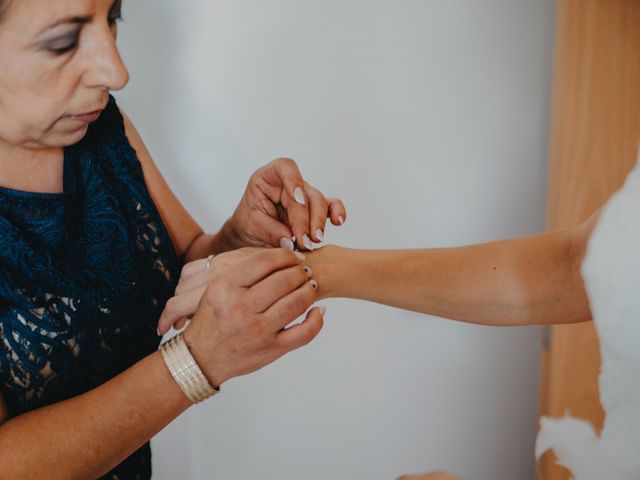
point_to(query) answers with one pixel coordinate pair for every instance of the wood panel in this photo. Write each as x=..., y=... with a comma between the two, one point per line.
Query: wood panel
x=595, y=134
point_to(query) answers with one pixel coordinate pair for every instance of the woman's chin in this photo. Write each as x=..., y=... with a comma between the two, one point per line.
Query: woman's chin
x=66, y=137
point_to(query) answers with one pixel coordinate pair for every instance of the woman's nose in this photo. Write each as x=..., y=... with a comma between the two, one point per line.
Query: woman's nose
x=106, y=68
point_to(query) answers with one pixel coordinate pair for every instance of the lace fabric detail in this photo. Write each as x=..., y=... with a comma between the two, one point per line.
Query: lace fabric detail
x=84, y=276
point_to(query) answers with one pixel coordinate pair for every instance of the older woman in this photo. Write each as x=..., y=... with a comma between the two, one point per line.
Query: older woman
x=92, y=242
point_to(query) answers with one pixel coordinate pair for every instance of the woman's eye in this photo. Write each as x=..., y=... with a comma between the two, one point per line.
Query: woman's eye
x=62, y=46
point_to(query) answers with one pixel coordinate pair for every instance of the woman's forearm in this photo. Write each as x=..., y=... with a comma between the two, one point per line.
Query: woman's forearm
x=524, y=281
x=88, y=435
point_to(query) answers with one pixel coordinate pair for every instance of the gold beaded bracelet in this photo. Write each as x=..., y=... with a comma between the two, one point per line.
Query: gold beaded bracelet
x=185, y=370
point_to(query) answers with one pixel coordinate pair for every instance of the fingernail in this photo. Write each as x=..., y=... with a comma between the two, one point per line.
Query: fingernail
x=300, y=256
x=158, y=332
x=322, y=309
x=319, y=234
x=306, y=241
x=308, y=272
x=286, y=243
x=299, y=195
x=313, y=284
x=341, y=220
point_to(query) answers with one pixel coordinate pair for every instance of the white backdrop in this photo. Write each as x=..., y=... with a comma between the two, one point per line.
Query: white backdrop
x=430, y=119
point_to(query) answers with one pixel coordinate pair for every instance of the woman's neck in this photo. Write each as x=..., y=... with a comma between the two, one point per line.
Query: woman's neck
x=31, y=170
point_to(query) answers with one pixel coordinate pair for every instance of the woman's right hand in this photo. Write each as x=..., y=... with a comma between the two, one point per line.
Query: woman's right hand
x=194, y=278
x=239, y=325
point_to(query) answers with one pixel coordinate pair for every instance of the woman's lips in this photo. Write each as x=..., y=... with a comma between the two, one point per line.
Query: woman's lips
x=86, y=117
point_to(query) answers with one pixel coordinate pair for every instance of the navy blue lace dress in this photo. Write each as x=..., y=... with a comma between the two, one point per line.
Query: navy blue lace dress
x=84, y=276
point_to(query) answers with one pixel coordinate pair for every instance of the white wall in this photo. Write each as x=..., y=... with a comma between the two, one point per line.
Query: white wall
x=430, y=119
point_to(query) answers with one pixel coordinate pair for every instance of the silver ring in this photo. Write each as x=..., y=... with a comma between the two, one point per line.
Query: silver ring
x=207, y=264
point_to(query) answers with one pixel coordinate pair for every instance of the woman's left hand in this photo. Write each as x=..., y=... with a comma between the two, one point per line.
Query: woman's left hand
x=277, y=206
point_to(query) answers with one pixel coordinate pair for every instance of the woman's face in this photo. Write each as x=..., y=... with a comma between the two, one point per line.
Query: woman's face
x=58, y=62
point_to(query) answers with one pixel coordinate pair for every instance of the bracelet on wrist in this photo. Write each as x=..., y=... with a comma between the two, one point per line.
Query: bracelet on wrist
x=185, y=370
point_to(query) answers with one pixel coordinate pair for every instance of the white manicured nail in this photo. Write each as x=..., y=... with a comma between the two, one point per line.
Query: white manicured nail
x=158, y=332
x=341, y=220
x=306, y=241
x=323, y=310
x=319, y=234
x=300, y=256
x=308, y=272
x=299, y=196
x=286, y=243
x=313, y=284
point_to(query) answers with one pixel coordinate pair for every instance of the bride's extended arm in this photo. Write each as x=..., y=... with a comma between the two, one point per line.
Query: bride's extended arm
x=523, y=281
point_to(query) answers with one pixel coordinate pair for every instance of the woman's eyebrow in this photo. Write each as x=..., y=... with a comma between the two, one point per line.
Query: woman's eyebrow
x=76, y=20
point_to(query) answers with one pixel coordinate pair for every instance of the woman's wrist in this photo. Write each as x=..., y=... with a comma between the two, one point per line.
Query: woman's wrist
x=229, y=237
x=186, y=371
x=213, y=373
x=226, y=239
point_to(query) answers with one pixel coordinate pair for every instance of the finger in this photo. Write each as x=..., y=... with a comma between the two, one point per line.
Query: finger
x=337, y=211
x=179, y=325
x=194, y=281
x=265, y=189
x=298, y=216
x=178, y=307
x=283, y=172
x=275, y=286
x=260, y=265
x=272, y=231
x=286, y=309
x=302, y=333
x=193, y=267
x=318, y=212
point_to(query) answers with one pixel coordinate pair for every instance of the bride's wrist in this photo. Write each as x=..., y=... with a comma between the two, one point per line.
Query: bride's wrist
x=326, y=265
